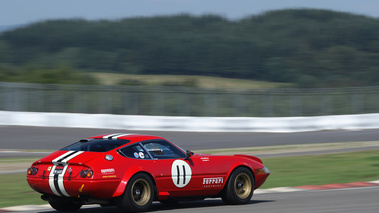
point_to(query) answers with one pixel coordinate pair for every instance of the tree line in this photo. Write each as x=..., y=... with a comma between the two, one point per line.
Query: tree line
x=305, y=47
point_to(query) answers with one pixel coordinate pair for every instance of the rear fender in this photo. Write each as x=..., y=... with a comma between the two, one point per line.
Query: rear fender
x=124, y=181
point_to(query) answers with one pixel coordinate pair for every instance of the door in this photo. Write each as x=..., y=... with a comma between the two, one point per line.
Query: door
x=175, y=174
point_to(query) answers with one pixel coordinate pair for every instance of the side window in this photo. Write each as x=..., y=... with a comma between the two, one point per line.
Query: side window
x=163, y=150
x=135, y=151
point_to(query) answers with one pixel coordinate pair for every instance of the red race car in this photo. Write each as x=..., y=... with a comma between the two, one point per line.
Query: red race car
x=131, y=171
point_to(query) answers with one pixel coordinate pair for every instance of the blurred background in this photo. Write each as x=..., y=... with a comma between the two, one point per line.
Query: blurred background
x=203, y=58
x=190, y=58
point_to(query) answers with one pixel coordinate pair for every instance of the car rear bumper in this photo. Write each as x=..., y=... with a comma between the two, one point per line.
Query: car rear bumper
x=99, y=188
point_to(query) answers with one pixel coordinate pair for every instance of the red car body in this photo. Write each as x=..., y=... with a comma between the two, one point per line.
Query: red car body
x=100, y=169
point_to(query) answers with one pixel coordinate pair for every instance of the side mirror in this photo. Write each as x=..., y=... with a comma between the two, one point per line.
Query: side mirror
x=188, y=154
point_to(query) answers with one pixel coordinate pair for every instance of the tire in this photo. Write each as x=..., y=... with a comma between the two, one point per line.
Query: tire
x=64, y=204
x=239, y=188
x=138, y=195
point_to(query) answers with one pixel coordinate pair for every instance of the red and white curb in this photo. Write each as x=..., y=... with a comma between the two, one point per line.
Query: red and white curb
x=256, y=192
x=35, y=208
x=319, y=187
x=340, y=185
x=26, y=208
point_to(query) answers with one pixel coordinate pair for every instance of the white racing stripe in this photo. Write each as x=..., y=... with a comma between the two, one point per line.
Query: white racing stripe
x=62, y=156
x=110, y=136
x=72, y=156
x=115, y=136
x=56, y=180
x=51, y=181
x=60, y=182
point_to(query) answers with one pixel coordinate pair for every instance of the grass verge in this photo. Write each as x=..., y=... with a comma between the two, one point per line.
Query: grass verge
x=286, y=171
x=15, y=191
x=323, y=169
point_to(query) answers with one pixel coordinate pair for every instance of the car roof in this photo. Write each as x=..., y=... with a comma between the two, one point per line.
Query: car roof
x=133, y=138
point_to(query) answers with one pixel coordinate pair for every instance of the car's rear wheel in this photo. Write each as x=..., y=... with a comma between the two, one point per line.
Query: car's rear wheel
x=240, y=187
x=138, y=195
x=64, y=204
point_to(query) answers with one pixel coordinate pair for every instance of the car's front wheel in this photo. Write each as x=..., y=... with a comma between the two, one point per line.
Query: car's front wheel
x=64, y=204
x=240, y=187
x=138, y=195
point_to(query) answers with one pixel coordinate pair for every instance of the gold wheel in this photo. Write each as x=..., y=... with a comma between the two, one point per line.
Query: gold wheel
x=141, y=192
x=242, y=185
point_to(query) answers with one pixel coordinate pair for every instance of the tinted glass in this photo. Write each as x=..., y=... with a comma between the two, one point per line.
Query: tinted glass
x=163, y=150
x=96, y=145
x=135, y=151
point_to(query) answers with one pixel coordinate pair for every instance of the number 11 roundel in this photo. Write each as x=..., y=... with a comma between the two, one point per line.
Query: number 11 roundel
x=180, y=173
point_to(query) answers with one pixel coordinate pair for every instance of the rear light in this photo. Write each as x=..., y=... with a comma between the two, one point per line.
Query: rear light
x=32, y=171
x=86, y=173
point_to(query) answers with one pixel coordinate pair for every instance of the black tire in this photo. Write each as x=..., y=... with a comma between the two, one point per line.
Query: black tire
x=64, y=204
x=138, y=195
x=239, y=188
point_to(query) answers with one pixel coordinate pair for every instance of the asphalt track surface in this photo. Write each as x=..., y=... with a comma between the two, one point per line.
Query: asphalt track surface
x=343, y=200
x=50, y=138
x=355, y=200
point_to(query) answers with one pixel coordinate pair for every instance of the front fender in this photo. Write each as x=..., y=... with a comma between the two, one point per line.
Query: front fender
x=253, y=162
x=250, y=157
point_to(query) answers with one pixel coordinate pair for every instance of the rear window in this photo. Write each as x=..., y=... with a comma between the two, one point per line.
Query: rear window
x=95, y=145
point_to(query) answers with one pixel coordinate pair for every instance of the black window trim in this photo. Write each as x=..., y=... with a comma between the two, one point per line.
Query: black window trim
x=134, y=144
x=142, y=144
x=160, y=140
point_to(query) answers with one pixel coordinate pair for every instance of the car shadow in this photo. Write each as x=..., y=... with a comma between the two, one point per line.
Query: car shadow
x=197, y=204
x=156, y=206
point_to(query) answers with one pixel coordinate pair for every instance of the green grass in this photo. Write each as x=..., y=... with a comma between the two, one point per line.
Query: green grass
x=285, y=171
x=16, y=191
x=323, y=169
x=19, y=160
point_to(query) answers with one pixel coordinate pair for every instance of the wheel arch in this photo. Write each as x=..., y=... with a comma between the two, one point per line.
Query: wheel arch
x=235, y=167
x=127, y=176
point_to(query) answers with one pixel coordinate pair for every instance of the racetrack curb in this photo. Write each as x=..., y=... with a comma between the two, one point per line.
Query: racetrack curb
x=319, y=187
x=257, y=192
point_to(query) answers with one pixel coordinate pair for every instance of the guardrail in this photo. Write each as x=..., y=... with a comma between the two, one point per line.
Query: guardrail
x=186, y=101
x=196, y=124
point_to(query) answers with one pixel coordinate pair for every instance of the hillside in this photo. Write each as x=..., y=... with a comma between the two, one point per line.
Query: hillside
x=304, y=47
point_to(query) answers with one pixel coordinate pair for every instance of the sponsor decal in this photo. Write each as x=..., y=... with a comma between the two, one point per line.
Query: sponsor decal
x=136, y=155
x=57, y=172
x=49, y=168
x=141, y=155
x=109, y=176
x=81, y=188
x=204, y=159
x=107, y=171
x=180, y=173
x=213, y=182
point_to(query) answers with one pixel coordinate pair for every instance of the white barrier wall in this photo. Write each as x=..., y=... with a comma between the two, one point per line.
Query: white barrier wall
x=196, y=124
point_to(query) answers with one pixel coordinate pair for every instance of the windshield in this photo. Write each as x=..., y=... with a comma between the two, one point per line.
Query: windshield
x=95, y=145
